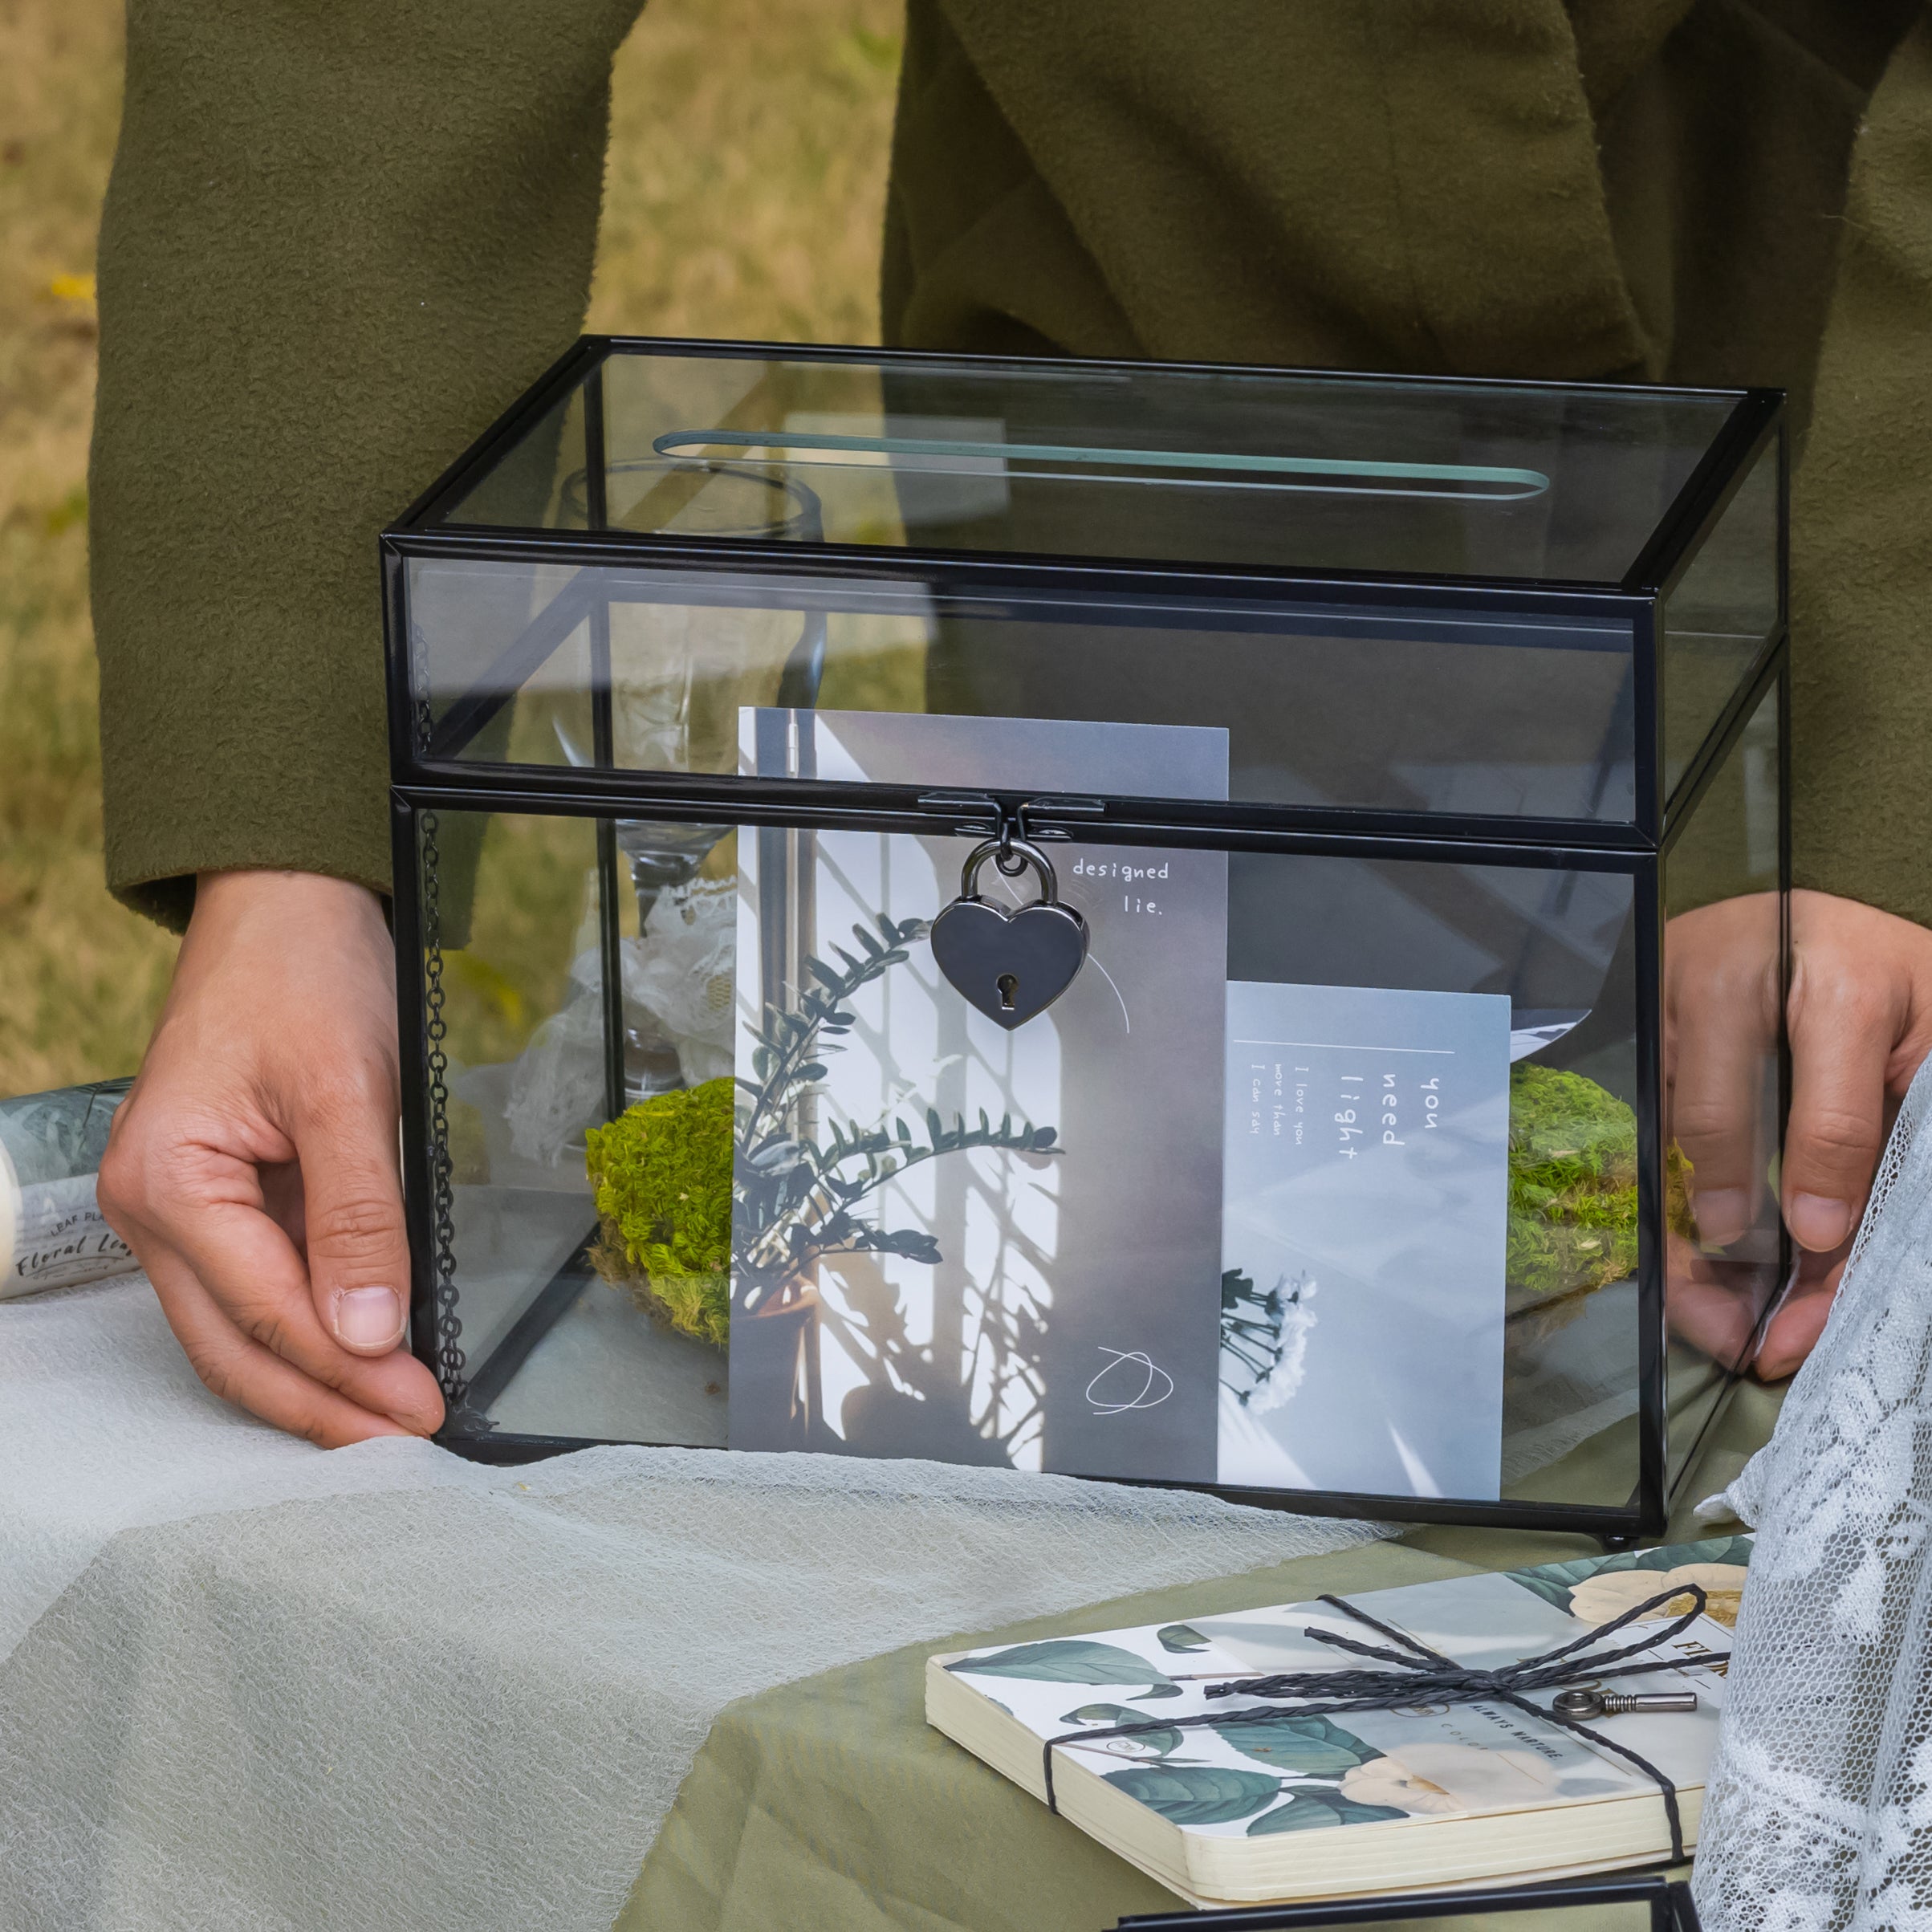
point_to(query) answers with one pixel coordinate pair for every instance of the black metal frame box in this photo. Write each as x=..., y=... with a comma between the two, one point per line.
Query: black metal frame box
x=1134, y=538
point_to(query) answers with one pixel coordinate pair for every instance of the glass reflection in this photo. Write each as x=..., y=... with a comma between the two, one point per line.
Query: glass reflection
x=679, y=678
x=1724, y=992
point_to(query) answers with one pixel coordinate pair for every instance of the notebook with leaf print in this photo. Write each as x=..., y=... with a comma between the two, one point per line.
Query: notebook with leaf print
x=1273, y=1805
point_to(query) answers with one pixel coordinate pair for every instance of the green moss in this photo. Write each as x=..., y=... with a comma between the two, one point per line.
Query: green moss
x=1572, y=1183
x=662, y=1173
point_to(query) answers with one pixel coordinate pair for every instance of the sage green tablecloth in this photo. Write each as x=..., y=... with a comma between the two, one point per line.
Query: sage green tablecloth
x=829, y=1805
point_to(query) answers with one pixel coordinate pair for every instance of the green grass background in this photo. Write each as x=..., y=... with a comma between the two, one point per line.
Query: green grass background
x=742, y=197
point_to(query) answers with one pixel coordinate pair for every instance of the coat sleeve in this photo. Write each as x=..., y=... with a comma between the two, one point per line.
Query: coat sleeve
x=338, y=241
x=1861, y=555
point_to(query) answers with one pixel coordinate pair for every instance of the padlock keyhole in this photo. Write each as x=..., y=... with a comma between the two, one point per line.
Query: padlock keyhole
x=1009, y=988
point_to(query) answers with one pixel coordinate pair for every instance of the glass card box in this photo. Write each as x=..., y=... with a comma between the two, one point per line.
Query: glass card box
x=1404, y=1141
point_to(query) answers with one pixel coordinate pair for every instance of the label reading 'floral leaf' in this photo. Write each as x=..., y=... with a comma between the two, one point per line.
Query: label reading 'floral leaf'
x=1203, y=1793
x=1312, y=1745
x=1314, y=1808
x=1069, y=1661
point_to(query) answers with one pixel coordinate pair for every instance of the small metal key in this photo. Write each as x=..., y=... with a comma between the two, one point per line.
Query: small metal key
x=1584, y=1705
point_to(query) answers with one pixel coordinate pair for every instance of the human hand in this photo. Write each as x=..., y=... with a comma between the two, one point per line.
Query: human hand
x=1860, y=1014
x=252, y=1168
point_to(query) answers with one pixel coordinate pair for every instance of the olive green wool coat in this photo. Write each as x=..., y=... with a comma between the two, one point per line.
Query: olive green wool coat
x=339, y=239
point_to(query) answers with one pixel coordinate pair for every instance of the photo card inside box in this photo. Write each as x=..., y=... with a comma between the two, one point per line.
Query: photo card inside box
x=1026, y=1268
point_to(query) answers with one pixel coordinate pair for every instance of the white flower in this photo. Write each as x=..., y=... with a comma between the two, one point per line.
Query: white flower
x=1297, y=1318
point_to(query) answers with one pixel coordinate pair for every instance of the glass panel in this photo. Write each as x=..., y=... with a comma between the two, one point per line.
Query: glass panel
x=1717, y=619
x=478, y=633
x=1209, y=465
x=1724, y=1029
x=526, y=484
x=1398, y=709
x=1320, y=1172
x=550, y=1349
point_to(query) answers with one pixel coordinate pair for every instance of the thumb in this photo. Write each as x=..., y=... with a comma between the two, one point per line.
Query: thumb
x=351, y=1184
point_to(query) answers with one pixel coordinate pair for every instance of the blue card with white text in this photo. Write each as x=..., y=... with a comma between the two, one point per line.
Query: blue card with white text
x=1366, y=1176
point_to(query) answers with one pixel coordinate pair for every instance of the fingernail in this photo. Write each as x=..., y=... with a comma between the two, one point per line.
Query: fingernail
x=1722, y=1214
x=367, y=1318
x=1818, y=1222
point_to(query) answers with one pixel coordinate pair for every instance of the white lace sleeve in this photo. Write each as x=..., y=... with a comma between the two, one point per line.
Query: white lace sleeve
x=1819, y=1812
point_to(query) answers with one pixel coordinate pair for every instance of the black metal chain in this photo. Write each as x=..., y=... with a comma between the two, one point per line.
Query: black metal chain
x=424, y=713
x=450, y=1361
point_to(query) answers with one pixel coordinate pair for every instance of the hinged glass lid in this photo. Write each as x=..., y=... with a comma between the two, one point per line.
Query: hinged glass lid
x=1093, y=460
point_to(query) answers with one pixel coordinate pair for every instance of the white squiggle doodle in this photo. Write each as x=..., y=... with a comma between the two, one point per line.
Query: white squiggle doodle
x=1145, y=1397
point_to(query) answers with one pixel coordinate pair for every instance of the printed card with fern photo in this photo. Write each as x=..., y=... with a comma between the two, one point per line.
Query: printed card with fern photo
x=953, y=1240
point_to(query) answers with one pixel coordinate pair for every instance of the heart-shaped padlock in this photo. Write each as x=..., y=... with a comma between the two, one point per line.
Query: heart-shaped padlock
x=1011, y=965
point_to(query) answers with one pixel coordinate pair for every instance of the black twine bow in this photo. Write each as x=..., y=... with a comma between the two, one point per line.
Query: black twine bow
x=1427, y=1677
